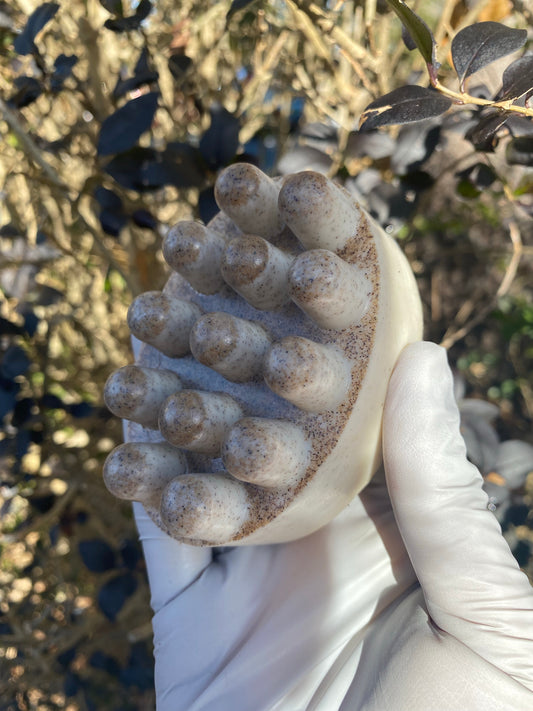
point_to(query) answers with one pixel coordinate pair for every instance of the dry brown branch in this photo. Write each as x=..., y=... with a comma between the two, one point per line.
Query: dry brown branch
x=454, y=334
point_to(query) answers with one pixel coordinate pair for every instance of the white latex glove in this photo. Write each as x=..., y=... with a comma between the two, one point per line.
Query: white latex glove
x=423, y=609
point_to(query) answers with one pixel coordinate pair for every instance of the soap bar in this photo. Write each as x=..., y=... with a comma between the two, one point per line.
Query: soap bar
x=281, y=323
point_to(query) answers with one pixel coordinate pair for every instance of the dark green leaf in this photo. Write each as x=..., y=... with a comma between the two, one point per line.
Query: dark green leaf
x=479, y=175
x=466, y=189
x=62, y=70
x=113, y=6
x=112, y=221
x=418, y=31
x=404, y=105
x=120, y=131
x=101, y=660
x=127, y=24
x=114, y=594
x=220, y=142
x=207, y=206
x=8, y=395
x=237, y=5
x=143, y=63
x=97, y=555
x=15, y=362
x=144, y=219
x=517, y=79
x=28, y=90
x=142, y=74
x=107, y=199
x=23, y=412
x=484, y=134
x=179, y=64
x=480, y=44
x=519, y=151
x=8, y=327
x=24, y=43
x=145, y=169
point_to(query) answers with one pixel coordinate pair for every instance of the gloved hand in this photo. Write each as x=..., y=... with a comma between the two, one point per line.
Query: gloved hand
x=410, y=600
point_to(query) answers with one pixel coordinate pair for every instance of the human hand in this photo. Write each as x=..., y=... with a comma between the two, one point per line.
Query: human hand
x=418, y=610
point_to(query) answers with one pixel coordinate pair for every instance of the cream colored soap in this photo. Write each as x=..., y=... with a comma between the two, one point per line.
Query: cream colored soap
x=282, y=323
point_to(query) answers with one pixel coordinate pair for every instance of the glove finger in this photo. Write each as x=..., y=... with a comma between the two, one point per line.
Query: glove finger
x=172, y=566
x=473, y=586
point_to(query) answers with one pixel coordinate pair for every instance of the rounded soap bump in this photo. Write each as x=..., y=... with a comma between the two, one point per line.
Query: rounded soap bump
x=257, y=271
x=317, y=211
x=232, y=346
x=208, y=507
x=266, y=452
x=163, y=321
x=136, y=393
x=195, y=251
x=330, y=291
x=313, y=376
x=198, y=421
x=250, y=199
x=139, y=471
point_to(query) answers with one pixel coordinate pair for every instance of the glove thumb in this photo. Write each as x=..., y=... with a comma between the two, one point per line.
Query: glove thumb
x=473, y=587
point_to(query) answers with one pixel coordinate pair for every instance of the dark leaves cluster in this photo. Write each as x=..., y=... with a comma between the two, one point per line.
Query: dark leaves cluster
x=472, y=49
x=99, y=557
x=24, y=412
x=114, y=217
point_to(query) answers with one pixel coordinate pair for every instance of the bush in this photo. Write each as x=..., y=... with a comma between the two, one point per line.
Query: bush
x=116, y=121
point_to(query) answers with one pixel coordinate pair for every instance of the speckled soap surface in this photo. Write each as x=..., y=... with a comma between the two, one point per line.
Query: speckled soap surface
x=280, y=325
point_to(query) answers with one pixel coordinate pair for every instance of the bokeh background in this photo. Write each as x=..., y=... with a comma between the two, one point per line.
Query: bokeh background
x=115, y=120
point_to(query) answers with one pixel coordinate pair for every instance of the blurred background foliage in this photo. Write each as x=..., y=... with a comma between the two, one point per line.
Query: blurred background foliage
x=115, y=120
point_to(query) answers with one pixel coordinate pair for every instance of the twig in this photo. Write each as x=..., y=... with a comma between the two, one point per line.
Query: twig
x=451, y=337
x=29, y=146
x=46, y=519
x=462, y=97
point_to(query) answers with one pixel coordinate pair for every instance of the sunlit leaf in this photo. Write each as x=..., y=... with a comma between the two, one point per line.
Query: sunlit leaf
x=404, y=105
x=24, y=43
x=121, y=130
x=419, y=32
x=480, y=44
